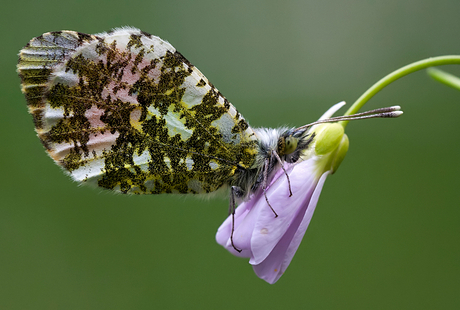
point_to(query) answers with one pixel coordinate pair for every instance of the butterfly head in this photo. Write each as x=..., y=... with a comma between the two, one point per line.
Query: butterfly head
x=292, y=142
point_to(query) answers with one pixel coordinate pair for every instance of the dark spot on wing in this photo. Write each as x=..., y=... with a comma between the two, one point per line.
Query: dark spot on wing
x=201, y=83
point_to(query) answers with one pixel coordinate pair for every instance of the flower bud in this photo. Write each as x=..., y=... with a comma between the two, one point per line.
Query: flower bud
x=331, y=145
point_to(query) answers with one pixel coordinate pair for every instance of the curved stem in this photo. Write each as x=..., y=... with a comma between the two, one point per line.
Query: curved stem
x=444, y=77
x=390, y=78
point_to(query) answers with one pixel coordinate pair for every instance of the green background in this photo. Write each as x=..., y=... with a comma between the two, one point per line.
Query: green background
x=386, y=232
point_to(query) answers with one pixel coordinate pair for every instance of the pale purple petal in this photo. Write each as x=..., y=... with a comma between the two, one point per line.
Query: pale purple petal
x=224, y=231
x=303, y=226
x=274, y=265
x=246, y=216
x=243, y=231
x=269, y=230
x=270, y=269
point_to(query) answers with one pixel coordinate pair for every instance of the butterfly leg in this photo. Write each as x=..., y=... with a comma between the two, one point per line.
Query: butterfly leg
x=282, y=167
x=264, y=184
x=231, y=210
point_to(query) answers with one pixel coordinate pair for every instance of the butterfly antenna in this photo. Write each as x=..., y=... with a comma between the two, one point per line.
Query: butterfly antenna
x=389, y=112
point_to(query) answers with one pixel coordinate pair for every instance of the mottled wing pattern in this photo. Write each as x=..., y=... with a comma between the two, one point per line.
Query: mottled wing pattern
x=125, y=111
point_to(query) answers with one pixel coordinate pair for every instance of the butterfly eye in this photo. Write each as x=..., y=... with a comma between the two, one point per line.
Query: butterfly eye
x=291, y=145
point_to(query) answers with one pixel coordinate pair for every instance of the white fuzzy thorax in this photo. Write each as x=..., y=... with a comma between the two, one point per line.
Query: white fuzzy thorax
x=268, y=137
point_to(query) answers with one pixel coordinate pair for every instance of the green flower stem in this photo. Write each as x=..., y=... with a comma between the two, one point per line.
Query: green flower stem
x=444, y=77
x=390, y=78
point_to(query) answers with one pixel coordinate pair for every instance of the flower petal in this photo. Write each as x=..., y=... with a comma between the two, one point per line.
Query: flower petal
x=332, y=110
x=273, y=267
x=305, y=222
x=269, y=230
x=246, y=216
x=245, y=230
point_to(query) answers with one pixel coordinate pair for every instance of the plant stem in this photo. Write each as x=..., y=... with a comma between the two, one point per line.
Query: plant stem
x=444, y=77
x=390, y=78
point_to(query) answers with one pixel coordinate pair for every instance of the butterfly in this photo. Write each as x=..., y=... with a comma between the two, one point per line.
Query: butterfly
x=124, y=111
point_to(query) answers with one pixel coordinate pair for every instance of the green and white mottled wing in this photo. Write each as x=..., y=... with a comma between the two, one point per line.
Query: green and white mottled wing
x=125, y=111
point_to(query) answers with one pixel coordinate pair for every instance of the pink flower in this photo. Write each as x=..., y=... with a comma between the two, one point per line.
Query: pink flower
x=270, y=242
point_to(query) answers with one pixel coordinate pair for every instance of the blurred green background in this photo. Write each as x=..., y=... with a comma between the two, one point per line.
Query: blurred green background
x=386, y=232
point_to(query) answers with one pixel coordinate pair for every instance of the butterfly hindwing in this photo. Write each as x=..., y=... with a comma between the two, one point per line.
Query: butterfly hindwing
x=125, y=111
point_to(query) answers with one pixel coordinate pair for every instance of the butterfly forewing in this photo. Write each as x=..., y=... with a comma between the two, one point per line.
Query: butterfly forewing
x=125, y=111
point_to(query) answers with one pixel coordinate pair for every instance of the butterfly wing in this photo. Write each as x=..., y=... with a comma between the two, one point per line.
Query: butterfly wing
x=125, y=111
